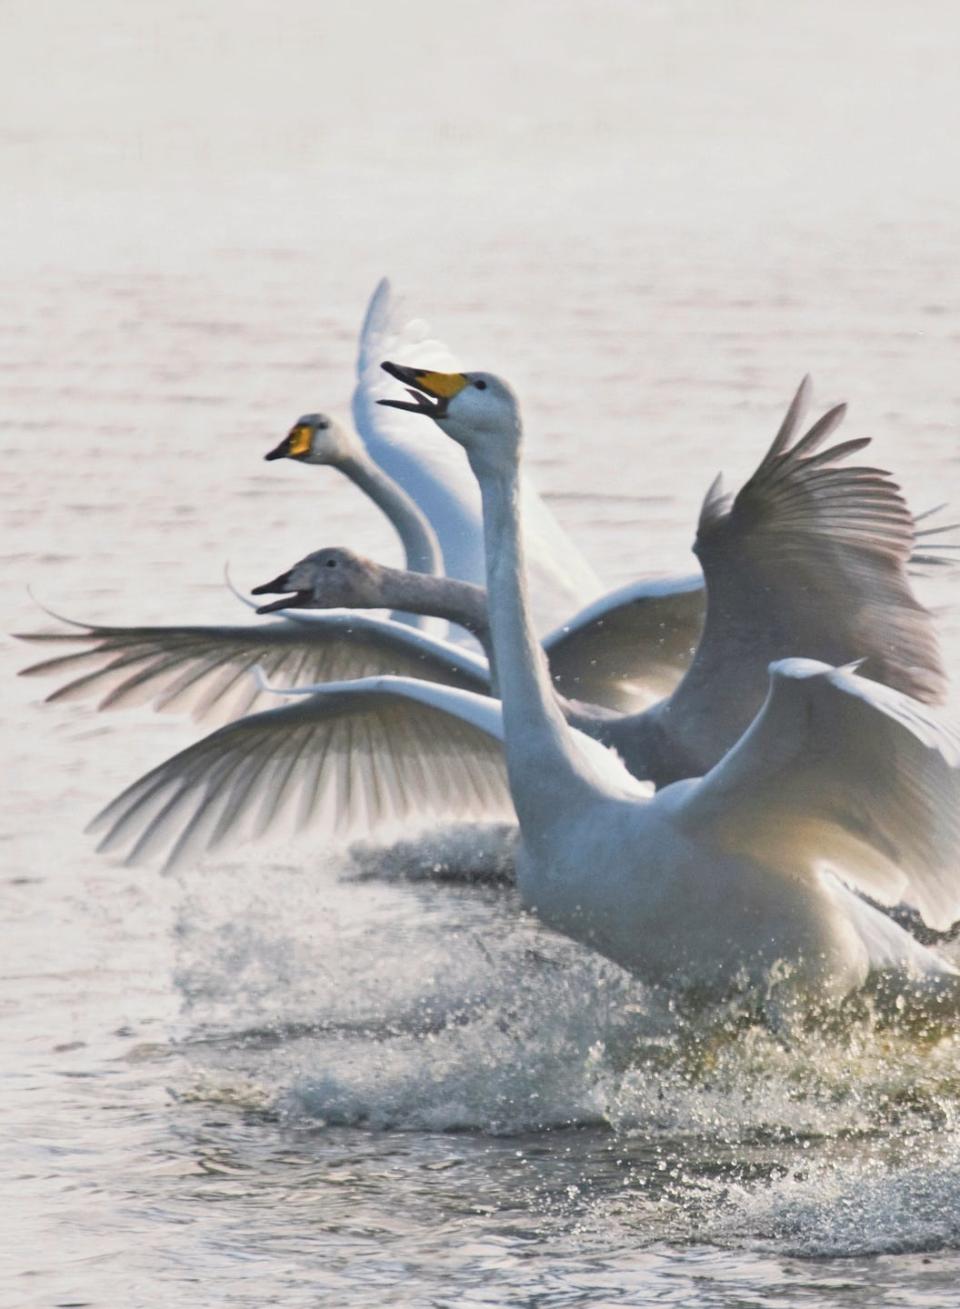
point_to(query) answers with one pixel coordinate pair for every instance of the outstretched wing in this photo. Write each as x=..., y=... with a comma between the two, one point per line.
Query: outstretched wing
x=810, y=559
x=840, y=770
x=434, y=472
x=630, y=647
x=354, y=758
x=204, y=670
x=431, y=468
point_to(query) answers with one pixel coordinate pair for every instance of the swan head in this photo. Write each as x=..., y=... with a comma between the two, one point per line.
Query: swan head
x=478, y=410
x=315, y=439
x=332, y=578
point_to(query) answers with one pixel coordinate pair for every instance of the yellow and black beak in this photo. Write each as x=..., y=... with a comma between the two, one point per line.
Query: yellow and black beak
x=431, y=392
x=297, y=442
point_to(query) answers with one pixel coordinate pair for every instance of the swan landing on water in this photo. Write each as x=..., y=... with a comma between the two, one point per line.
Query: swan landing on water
x=722, y=877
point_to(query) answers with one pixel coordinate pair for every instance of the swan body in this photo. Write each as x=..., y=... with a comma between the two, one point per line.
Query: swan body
x=717, y=879
x=714, y=881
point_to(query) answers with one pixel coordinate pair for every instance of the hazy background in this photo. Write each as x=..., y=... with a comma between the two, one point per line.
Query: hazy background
x=672, y=210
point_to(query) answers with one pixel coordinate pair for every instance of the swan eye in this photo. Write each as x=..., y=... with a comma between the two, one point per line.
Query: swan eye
x=481, y=385
x=322, y=425
x=331, y=563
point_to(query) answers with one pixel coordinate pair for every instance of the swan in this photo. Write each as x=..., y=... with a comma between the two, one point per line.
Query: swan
x=866, y=535
x=711, y=884
x=720, y=878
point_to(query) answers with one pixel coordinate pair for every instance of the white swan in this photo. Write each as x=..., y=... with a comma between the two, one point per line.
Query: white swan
x=719, y=878
x=707, y=885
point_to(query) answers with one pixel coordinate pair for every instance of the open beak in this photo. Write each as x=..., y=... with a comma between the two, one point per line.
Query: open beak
x=430, y=393
x=298, y=600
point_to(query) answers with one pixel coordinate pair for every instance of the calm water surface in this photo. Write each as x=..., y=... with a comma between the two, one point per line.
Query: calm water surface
x=274, y=1080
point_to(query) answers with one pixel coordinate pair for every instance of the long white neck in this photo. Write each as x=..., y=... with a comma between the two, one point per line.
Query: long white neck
x=544, y=764
x=420, y=543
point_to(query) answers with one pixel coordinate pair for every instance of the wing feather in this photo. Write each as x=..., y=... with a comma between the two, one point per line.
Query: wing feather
x=793, y=417
x=631, y=646
x=206, y=669
x=356, y=756
x=840, y=770
x=810, y=558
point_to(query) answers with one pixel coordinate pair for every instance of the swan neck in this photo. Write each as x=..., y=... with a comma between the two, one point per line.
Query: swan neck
x=421, y=548
x=543, y=761
x=458, y=602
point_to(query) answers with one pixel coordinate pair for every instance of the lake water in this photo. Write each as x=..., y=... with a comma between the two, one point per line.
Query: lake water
x=273, y=1081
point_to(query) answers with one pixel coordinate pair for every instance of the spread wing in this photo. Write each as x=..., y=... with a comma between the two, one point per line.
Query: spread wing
x=204, y=670
x=431, y=468
x=810, y=558
x=354, y=758
x=630, y=647
x=839, y=770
